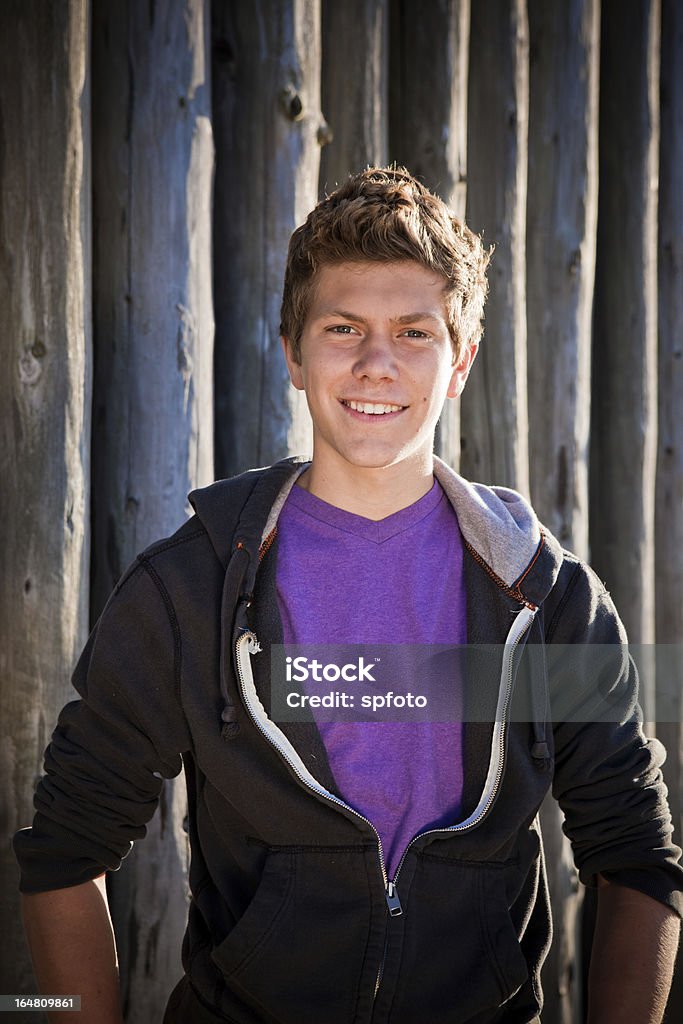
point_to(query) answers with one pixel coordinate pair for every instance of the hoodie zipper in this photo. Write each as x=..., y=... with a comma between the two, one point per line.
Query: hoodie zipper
x=513, y=640
x=517, y=631
x=247, y=644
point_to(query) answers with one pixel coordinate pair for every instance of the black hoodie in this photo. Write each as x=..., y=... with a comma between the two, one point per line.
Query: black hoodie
x=292, y=918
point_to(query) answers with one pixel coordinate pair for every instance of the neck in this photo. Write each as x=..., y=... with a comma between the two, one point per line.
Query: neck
x=369, y=492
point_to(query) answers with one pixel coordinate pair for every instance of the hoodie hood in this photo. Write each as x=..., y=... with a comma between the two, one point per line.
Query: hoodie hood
x=499, y=527
x=252, y=500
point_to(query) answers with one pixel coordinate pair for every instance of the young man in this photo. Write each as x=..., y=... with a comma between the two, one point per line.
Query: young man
x=347, y=870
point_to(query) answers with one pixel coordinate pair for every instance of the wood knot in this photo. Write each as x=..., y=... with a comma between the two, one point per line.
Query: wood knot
x=324, y=134
x=291, y=104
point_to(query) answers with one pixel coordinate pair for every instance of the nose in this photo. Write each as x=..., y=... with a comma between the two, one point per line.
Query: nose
x=376, y=358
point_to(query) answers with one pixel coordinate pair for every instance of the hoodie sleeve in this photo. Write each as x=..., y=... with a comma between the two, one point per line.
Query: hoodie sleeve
x=111, y=750
x=608, y=777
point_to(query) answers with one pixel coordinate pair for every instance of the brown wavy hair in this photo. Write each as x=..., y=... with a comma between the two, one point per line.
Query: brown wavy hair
x=379, y=215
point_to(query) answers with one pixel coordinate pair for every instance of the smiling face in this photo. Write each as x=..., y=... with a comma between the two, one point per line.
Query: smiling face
x=376, y=364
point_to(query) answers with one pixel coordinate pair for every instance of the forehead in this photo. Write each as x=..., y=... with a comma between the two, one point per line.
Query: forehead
x=392, y=289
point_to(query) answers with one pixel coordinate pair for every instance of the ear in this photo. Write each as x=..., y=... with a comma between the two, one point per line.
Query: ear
x=461, y=370
x=294, y=367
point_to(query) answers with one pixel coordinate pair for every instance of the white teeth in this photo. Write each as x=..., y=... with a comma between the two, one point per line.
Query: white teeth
x=372, y=408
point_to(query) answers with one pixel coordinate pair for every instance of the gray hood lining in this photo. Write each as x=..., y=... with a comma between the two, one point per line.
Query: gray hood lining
x=496, y=521
x=279, y=502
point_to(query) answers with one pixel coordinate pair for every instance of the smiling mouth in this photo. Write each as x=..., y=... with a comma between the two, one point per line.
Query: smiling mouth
x=373, y=408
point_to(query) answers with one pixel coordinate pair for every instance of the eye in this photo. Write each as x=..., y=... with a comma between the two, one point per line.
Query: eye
x=413, y=332
x=341, y=329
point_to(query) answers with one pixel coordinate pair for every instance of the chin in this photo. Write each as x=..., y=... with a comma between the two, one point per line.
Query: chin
x=378, y=461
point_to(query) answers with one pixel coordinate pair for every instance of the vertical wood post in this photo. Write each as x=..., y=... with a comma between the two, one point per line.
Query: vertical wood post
x=624, y=397
x=153, y=423
x=493, y=410
x=623, y=439
x=428, y=100
x=561, y=240
x=428, y=122
x=669, y=487
x=44, y=407
x=354, y=105
x=268, y=128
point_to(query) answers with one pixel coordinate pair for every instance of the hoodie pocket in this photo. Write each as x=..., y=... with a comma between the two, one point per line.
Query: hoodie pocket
x=461, y=958
x=297, y=954
x=258, y=925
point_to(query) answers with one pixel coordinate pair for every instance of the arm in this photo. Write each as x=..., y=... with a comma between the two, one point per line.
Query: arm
x=634, y=951
x=73, y=950
x=104, y=771
x=608, y=780
x=111, y=750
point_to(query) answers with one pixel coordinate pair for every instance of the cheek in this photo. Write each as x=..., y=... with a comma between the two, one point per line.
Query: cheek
x=328, y=372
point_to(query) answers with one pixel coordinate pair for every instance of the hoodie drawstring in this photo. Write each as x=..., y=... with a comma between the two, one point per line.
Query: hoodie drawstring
x=540, y=751
x=232, y=598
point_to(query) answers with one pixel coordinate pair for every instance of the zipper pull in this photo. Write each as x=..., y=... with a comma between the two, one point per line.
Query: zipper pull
x=393, y=902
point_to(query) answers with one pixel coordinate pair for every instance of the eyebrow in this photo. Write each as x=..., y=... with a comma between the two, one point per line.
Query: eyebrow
x=405, y=318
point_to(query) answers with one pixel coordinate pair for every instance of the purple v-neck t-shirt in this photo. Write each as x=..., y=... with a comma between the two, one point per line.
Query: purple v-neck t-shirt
x=344, y=579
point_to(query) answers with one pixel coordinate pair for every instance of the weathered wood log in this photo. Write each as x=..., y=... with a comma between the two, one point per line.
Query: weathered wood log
x=428, y=121
x=494, y=427
x=355, y=106
x=268, y=129
x=623, y=438
x=669, y=486
x=624, y=398
x=669, y=489
x=44, y=407
x=153, y=397
x=428, y=99
x=561, y=240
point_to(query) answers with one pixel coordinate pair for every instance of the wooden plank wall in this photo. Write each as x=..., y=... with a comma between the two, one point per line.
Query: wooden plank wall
x=213, y=127
x=494, y=429
x=152, y=437
x=669, y=472
x=45, y=398
x=268, y=127
x=561, y=225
